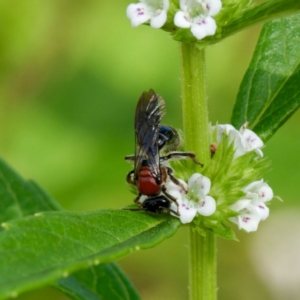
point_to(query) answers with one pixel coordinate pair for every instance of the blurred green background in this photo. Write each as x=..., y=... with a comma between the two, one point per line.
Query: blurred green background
x=71, y=73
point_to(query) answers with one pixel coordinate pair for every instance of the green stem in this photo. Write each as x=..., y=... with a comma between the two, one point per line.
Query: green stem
x=194, y=101
x=196, y=131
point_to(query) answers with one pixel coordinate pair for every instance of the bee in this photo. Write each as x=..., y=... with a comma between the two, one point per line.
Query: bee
x=149, y=175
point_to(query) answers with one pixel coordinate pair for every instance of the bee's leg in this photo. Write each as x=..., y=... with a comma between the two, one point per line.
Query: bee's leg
x=129, y=178
x=130, y=158
x=174, y=179
x=131, y=181
x=181, y=155
x=170, y=197
x=136, y=200
x=163, y=209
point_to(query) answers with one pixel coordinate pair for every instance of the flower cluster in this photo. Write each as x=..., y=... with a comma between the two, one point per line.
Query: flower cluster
x=251, y=207
x=247, y=211
x=194, y=14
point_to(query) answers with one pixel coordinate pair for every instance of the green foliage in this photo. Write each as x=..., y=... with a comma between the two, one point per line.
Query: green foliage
x=49, y=245
x=269, y=93
x=251, y=15
x=232, y=9
x=105, y=281
x=20, y=198
x=39, y=250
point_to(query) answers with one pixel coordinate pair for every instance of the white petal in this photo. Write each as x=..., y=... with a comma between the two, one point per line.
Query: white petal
x=183, y=4
x=253, y=197
x=178, y=193
x=171, y=186
x=175, y=193
x=253, y=186
x=194, y=179
x=248, y=222
x=265, y=193
x=207, y=206
x=159, y=20
x=187, y=213
x=262, y=189
x=222, y=128
x=198, y=31
x=199, y=185
x=181, y=20
x=138, y=14
x=238, y=141
x=240, y=205
x=252, y=140
x=186, y=210
x=225, y=128
x=213, y=7
x=166, y=4
x=262, y=210
x=203, y=28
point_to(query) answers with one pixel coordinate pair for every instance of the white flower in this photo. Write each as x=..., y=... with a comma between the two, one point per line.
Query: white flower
x=251, y=141
x=261, y=189
x=245, y=140
x=198, y=188
x=195, y=200
x=221, y=128
x=248, y=218
x=252, y=208
x=197, y=15
x=186, y=210
x=153, y=10
x=248, y=222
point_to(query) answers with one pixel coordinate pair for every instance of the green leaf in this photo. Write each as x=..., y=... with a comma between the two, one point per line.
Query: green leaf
x=253, y=15
x=269, y=93
x=38, y=250
x=21, y=198
x=102, y=282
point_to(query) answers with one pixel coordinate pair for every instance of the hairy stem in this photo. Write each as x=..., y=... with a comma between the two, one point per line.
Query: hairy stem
x=196, y=132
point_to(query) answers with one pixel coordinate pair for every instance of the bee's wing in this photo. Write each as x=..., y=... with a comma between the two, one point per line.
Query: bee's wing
x=148, y=114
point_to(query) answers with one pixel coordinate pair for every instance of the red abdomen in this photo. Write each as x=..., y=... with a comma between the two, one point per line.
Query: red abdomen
x=146, y=183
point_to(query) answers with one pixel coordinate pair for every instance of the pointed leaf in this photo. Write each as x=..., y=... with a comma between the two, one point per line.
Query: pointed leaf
x=253, y=15
x=269, y=93
x=37, y=250
x=102, y=282
x=20, y=198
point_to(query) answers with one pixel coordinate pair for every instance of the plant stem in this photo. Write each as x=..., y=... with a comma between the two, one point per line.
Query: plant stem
x=196, y=130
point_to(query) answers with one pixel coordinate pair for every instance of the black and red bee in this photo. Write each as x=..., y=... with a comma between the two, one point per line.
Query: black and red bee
x=149, y=174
